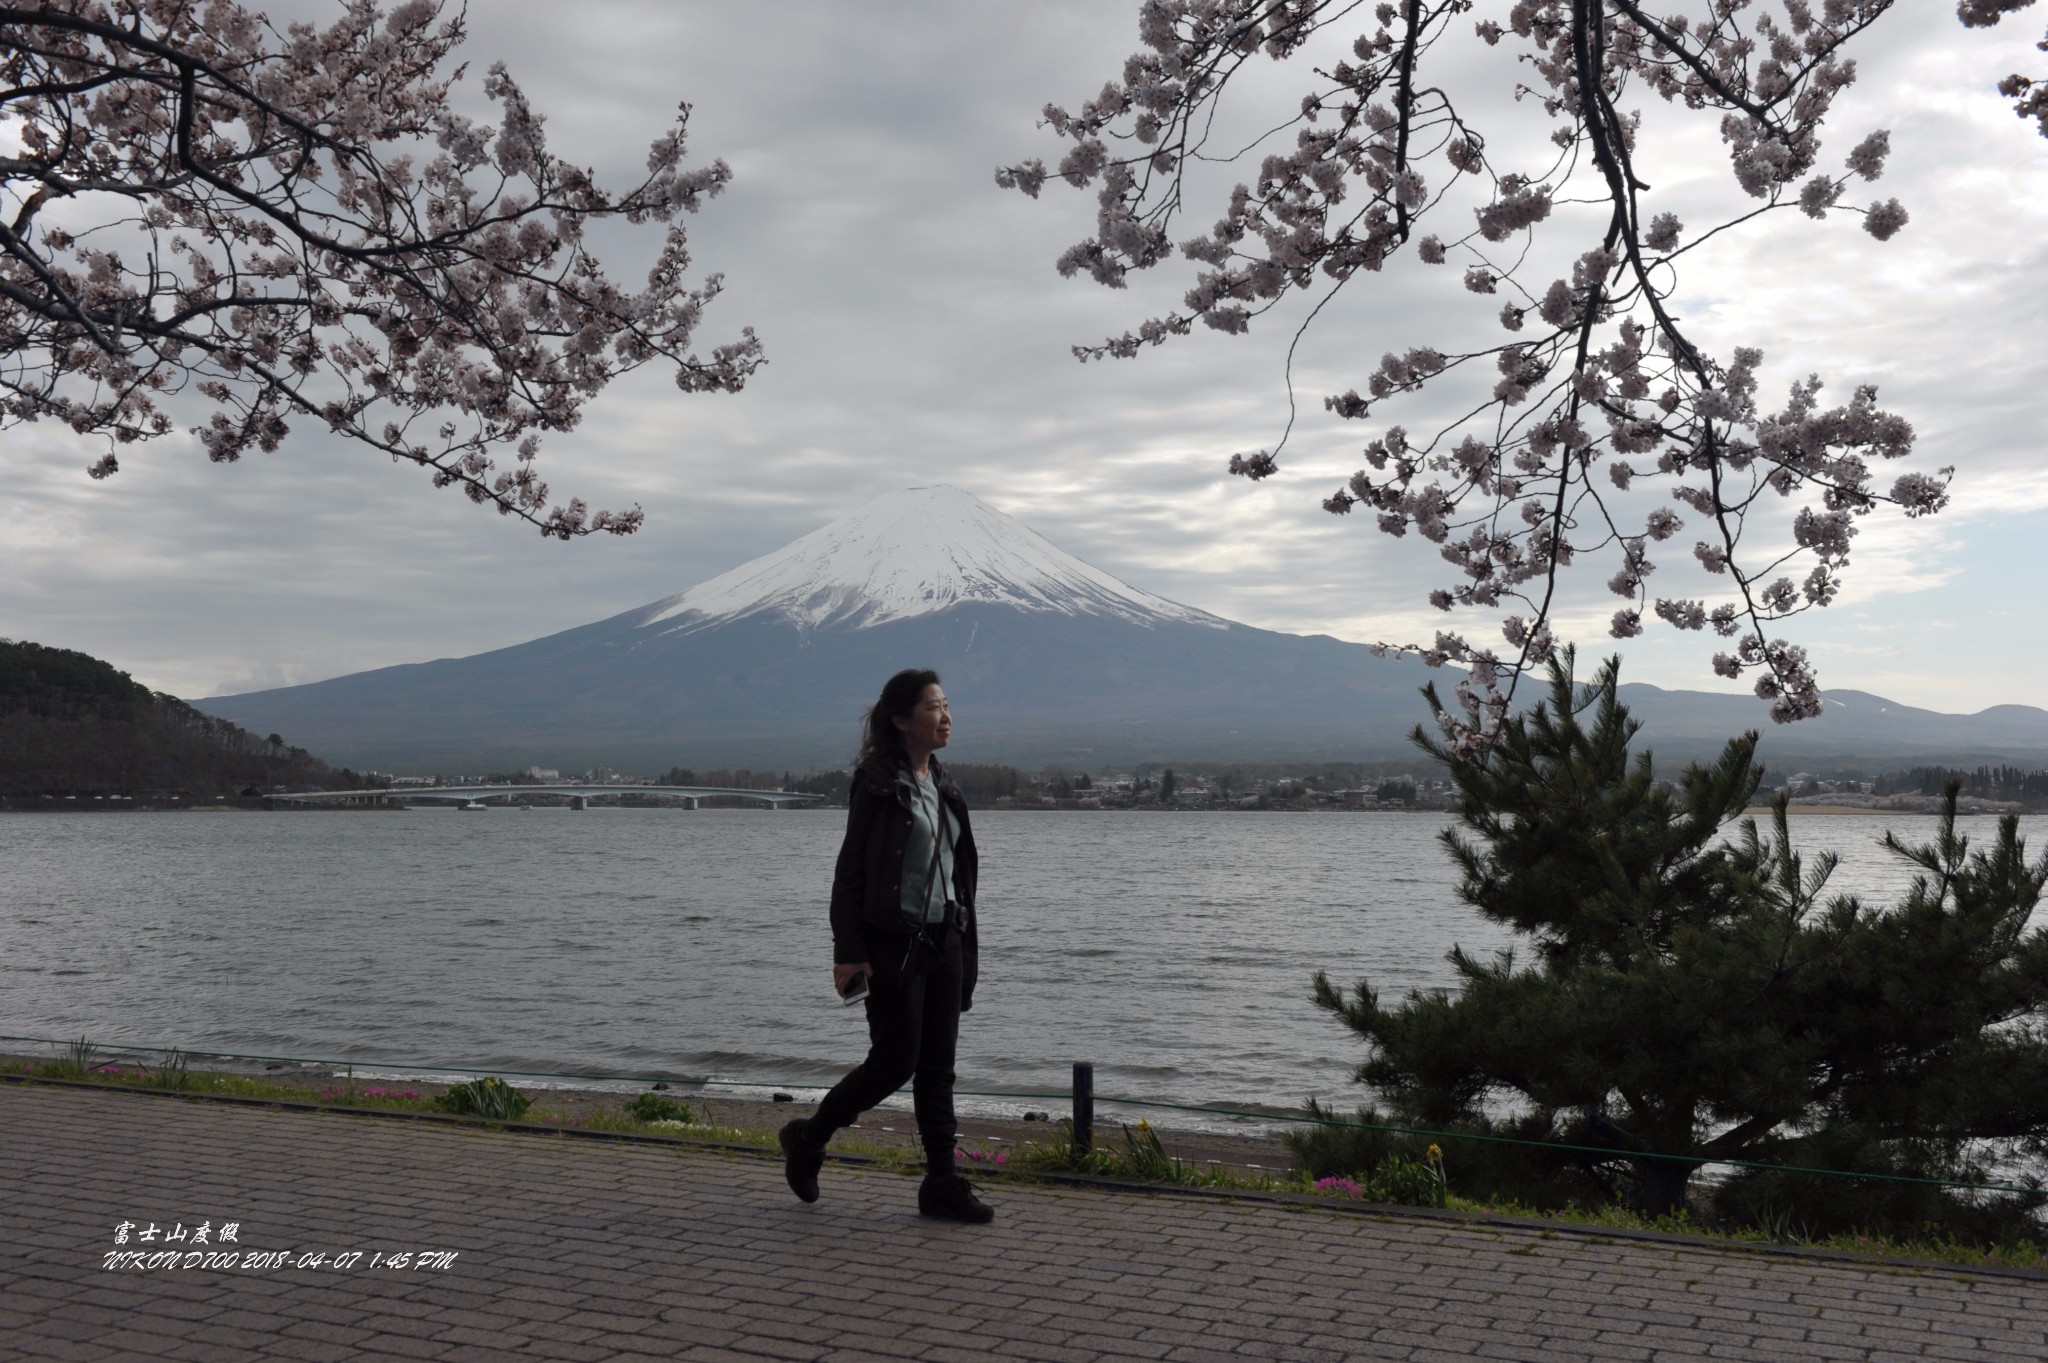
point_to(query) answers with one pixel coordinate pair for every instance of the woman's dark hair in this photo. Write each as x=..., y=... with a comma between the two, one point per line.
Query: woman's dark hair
x=879, y=736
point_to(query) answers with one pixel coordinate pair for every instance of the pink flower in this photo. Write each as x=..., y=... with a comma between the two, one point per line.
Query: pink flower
x=1884, y=220
x=1818, y=195
x=1868, y=158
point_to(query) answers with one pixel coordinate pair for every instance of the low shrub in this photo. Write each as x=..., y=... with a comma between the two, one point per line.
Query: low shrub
x=1792, y=1206
x=1502, y=1167
x=1407, y=1182
x=171, y=1073
x=1337, y=1148
x=1138, y=1156
x=78, y=1060
x=1499, y=1162
x=1143, y=1157
x=490, y=1098
x=652, y=1107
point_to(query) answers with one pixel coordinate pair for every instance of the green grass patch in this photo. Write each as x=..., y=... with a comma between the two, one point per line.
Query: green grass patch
x=174, y=1072
x=1136, y=1154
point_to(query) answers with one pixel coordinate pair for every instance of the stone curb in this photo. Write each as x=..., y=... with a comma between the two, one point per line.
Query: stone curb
x=1099, y=1183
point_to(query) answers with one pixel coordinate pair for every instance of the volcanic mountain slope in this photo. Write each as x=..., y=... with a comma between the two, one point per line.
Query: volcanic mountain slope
x=1044, y=656
x=1854, y=727
x=1046, y=659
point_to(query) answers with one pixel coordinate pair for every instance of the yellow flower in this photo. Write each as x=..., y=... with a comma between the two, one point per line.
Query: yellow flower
x=1144, y=1125
x=1435, y=1153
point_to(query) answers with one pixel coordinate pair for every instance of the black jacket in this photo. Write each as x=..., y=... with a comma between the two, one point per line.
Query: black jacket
x=867, y=883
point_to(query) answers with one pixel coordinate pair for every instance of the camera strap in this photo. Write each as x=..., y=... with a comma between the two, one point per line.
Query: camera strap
x=931, y=878
x=922, y=930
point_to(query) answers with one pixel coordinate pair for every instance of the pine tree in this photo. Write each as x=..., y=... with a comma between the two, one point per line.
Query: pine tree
x=1687, y=997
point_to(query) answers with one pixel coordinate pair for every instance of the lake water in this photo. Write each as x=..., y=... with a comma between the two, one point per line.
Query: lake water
x=1172, y=951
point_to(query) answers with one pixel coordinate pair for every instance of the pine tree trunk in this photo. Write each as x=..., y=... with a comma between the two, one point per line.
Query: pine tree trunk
x=1660, y=1185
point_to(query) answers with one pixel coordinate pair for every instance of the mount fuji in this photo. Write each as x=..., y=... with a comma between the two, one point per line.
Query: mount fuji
x=921, y=551
x=1045, y=659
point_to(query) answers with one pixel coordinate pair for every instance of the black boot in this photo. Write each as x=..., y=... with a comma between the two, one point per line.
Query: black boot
x=801, y=1160
x=952, y=1198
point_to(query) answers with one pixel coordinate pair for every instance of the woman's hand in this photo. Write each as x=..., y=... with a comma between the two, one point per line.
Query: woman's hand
x=842, y=975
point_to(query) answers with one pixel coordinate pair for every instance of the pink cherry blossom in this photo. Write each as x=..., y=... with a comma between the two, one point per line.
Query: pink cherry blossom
x=1602, y=366
x=1867, y=159
x=1884, y=220
x=2029, y=96
x=294, y=227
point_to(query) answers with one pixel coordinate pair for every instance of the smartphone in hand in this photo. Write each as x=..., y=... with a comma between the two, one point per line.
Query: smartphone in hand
x=856, y=988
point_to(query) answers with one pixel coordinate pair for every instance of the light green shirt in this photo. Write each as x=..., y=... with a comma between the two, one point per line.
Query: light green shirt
x=923, y=901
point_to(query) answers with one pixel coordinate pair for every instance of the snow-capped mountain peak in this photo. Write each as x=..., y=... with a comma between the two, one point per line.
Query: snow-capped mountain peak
x=910, y=553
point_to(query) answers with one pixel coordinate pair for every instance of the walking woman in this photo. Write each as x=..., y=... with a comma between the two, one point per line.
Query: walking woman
x=903, y=921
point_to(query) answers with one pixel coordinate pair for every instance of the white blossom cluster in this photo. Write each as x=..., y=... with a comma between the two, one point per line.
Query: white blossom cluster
x=2029, y=95
x=295, y=223
x=1598, y=389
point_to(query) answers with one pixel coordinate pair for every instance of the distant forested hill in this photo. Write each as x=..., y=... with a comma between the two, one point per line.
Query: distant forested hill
x=70, y=722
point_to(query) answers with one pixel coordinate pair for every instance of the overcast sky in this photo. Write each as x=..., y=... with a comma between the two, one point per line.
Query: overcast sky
x=917, y=332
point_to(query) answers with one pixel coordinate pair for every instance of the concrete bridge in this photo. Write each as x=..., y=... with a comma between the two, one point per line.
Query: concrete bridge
x=579, y=796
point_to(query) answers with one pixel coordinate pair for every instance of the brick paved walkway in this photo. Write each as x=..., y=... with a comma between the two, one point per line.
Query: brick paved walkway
x=581, y=1250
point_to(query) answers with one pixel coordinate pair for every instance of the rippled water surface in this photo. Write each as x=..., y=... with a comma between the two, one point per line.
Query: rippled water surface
x=1173, y=951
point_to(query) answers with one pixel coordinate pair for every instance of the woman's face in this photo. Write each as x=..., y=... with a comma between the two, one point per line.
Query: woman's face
x=930, y=723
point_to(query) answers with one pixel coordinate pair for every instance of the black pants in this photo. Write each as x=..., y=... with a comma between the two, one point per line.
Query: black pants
x=913, y=1028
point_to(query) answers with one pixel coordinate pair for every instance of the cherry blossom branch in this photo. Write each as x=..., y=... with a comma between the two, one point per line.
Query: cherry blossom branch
x=295, y=259
x=2029, y=95
x=1506, y=490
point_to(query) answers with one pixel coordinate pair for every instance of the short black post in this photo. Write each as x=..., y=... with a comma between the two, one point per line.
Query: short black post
x=1084, y=1107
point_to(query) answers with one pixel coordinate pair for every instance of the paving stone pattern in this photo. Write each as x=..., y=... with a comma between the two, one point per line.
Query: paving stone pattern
x=583, y=1250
